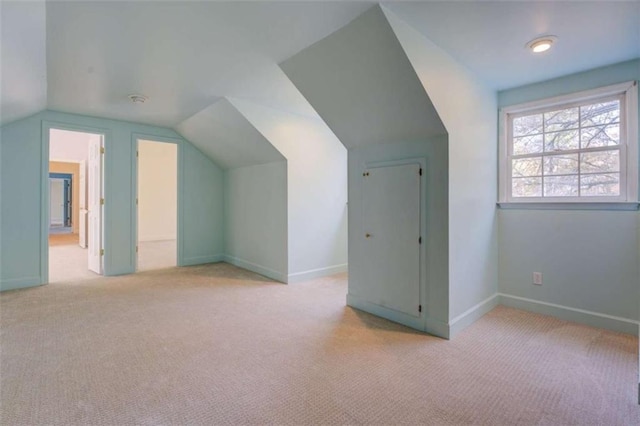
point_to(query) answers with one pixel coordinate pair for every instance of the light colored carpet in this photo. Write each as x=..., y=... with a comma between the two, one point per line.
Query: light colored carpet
x=157, y=254
x=69, y=263
x=214, y=344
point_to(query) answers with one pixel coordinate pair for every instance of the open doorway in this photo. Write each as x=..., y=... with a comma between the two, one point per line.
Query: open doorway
x=75, y=188
x=157, y=201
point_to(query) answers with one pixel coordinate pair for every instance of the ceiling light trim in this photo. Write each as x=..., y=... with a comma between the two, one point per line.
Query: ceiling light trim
x=542, y=44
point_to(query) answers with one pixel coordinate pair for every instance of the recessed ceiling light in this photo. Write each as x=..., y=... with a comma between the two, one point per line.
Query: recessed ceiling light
x=138, y=99
x=542, y=44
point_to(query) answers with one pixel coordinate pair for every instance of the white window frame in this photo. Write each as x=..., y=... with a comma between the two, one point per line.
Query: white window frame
x=628, y=94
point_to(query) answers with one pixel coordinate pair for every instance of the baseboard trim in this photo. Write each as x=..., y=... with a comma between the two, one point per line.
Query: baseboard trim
x=153, y=238
x=18, y=283
x=594, y=319
x=381, y=311
x=316, y=273
x=472, y=314
x=437, y=328
x=254, y=267
x=200, y=260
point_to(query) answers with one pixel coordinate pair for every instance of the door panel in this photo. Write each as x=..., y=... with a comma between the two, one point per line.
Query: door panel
x=82, y=228
x=391, y=232
x=95, y=207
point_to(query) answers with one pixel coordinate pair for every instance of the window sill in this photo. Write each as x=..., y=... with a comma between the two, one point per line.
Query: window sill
x=523, y=205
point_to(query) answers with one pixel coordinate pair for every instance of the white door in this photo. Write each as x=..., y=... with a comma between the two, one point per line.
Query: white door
x=82, y=225
x=94, y=205
x=391, y=234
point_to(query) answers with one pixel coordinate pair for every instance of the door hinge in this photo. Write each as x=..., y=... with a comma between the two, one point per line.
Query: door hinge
x=419, y=240
x=136, y=249
x=137, y=154
x=101, y=252
x=419, y=308
x=136, y=201
x=420, y=171
x=101, y=150
x=102, y=201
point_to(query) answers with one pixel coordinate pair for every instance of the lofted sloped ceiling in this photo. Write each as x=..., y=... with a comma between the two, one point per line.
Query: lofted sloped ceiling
x=363, y=86
x=226, y=136
x=86, y=57
x=489, y=37
x=183, y=55
x=23, y=61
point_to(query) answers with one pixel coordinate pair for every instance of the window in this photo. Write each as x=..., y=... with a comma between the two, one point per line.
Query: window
x=577, y=148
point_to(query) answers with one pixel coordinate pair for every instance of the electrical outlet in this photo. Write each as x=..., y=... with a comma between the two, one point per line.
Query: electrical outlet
x=537, y=278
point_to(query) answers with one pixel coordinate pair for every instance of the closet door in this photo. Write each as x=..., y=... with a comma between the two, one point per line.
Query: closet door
x=391, y=233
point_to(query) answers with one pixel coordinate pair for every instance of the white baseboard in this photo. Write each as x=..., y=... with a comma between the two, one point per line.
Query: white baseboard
x=316, y=273
x=471, y=315
x=254, y=267
x=199, y=260
x=149, y=238
x=390, y=314
x=594, y=319
x=17, y=283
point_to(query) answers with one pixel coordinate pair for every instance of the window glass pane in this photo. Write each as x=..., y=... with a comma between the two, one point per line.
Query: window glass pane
x=527, y=145
x=561, y=164
x=593, y=137
x=562, y=119
x=561, y=141
x=561, y=186
x=527, y=125
x=526, y=187
x=601, y=185
x=600, y=113
x=600, y=161
x=526, y=167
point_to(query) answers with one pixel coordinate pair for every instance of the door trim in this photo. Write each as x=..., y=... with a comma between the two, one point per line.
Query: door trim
x=135, y=137
x=46, y=127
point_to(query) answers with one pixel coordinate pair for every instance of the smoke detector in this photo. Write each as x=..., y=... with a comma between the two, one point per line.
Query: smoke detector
x=138, y=99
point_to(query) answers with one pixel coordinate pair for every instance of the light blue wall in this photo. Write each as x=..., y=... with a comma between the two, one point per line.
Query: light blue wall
x=200, y=197
x=316, y=189
x=589, y=259
x=467, y=107
x=256, y=219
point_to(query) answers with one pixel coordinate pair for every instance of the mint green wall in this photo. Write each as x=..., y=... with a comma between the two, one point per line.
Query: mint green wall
x=22, y=158
x=589, y=259
x=467, y=107
x=256, y=218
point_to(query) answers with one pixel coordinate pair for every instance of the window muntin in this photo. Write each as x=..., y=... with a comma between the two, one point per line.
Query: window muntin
x=569, y=152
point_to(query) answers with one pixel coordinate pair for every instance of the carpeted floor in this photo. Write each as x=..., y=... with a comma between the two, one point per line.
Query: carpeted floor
x=218, y=345
x=68, y=261
x=157, y=254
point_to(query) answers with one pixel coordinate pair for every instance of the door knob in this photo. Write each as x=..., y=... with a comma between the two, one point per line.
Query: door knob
x=367, y=235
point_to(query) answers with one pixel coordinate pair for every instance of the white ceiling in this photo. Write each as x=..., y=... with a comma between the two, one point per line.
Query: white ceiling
x=226, y=136
x=183, y=55
x=23, y=59
x=86, y=57
x=363, y=85
x=489, y=37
